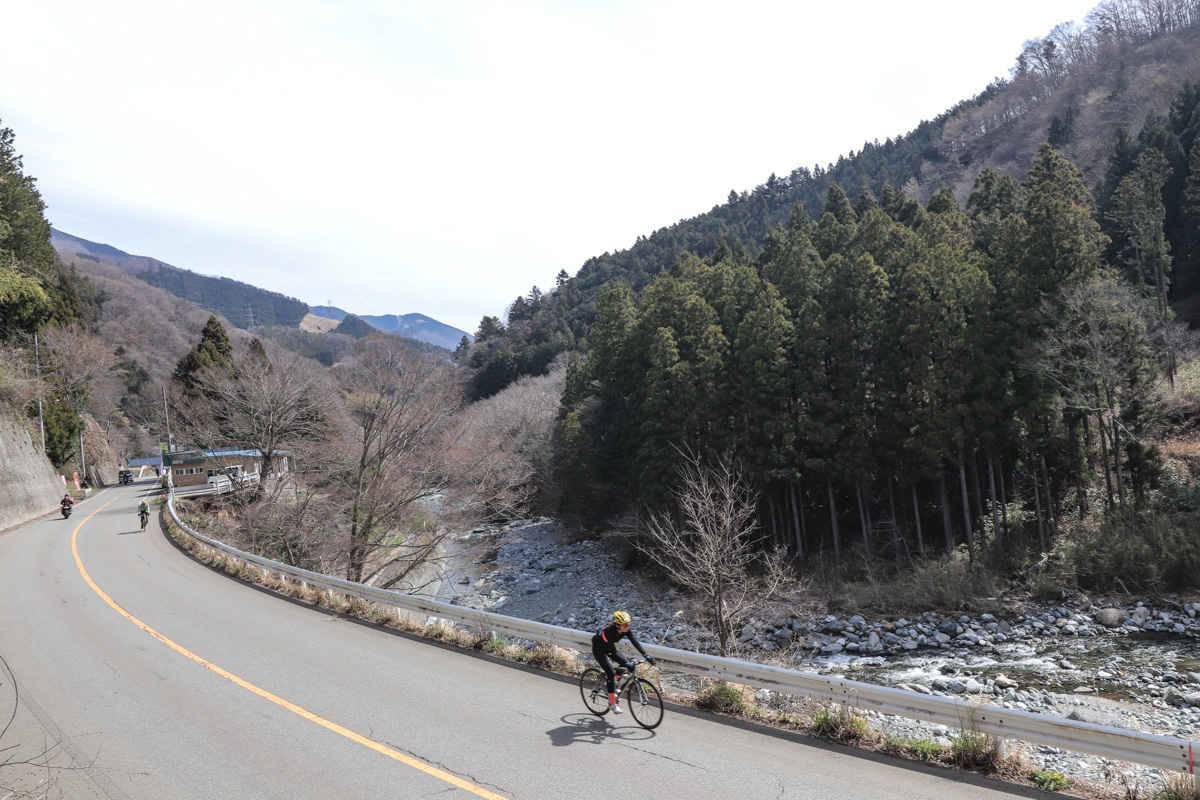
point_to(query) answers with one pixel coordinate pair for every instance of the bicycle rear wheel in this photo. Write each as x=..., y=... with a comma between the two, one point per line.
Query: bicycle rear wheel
x=594, y=688
x=644, y=702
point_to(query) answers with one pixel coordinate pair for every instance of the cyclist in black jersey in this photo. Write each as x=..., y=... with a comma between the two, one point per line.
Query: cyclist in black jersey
x=604, y=648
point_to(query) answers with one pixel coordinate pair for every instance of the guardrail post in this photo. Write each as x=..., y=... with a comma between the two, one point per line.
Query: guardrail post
x=1001, y=748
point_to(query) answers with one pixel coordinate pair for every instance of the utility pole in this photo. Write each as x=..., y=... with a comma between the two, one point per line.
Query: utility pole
x=167, y=417
x=38, y=361
x=82, y=456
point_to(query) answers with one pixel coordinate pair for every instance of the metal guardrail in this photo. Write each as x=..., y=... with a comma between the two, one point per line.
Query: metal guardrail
x=1164, y=752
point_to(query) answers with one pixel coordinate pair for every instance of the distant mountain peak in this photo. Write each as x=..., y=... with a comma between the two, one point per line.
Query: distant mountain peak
x=415, y=326
x=76, y=245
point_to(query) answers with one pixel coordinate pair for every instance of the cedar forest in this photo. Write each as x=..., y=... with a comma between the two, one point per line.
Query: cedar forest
x=899, y=379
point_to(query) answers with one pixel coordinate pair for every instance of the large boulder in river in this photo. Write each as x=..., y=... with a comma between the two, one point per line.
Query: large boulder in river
x=1111, y=617
x=948, y=627
x=1175, y=697
x=1005, y=682
x=949, y=685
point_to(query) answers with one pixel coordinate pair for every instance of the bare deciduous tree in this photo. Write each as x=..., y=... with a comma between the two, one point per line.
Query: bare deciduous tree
x=298, y=520
x=387, y=457
x=104, y=404
x=76, y=358
x=264, y=406
x=506, y=442
x=1096, y=351
x=18, y=376
x=711, y=551
x=401, y=404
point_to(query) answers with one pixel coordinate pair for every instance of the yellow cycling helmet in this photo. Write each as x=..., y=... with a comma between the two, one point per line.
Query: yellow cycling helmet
x=622, y=618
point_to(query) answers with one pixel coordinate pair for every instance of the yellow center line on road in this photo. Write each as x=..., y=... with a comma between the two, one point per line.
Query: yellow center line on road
x=279, y=701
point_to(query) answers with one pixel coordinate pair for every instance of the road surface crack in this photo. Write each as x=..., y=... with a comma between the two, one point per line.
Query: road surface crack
x=663, y=757
x=491, y=787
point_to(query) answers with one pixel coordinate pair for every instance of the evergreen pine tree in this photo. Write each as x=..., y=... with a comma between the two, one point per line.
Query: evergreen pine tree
x=214, y=351
x=1188, y=252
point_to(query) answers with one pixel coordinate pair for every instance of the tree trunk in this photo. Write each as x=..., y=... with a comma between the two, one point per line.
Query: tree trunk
x=1108, y=484
x=1037, y=504
x=774, y=525
x=895, y=522
x=966, y=506
x=1004, y=503
x=1079, y=468
x=863, y=520
x=798, y=520
x=1051, y=511
x=778, y=522
x=833, y=519
x=978, y=497
x=722, y=623
x=917, y=519
x=1117, y=465
x=996, y=537
x=947, y=529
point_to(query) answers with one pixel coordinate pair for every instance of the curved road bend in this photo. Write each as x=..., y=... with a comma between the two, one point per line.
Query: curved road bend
x=248, y=695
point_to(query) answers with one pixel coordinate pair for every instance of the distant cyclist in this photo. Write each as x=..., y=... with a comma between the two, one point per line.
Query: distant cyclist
x=604, y=648
x=143, y=513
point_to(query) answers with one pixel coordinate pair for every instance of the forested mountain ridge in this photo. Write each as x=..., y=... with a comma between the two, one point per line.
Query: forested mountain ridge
x=1077, y=87
x=963, y=357
x=245, y=305
x=241, y=303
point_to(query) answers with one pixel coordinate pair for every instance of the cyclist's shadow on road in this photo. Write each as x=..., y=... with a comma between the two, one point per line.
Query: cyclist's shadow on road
x=590, y=729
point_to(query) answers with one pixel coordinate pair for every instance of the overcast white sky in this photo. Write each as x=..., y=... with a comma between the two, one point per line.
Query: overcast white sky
x=443, y=157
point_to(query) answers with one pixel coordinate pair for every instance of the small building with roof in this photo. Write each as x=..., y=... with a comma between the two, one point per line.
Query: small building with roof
x=197, y=467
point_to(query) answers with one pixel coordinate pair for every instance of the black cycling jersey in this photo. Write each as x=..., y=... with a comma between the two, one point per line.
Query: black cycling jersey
x=611, y=634
x=604, y=647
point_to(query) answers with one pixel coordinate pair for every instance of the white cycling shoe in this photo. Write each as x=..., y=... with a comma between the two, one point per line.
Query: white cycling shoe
x=616, y=709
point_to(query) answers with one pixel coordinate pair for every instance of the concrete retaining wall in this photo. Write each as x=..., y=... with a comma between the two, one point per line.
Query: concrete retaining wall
x=28, y=486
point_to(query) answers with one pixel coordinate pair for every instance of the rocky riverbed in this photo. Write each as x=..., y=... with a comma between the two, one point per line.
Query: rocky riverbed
x=1136, y=666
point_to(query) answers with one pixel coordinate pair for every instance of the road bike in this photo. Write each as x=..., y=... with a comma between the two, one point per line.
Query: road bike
x=641, y=697
x=145, y=517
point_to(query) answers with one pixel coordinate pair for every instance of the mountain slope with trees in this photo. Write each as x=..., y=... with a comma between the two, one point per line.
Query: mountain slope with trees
x=1077, y=87
x=249, y=306
x=940, y=356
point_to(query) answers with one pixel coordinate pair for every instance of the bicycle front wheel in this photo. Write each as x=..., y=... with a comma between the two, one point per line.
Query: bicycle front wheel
x=645, y=703
x=594, y=688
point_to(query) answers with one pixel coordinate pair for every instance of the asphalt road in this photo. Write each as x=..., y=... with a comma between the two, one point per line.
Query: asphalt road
x=234, y=692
